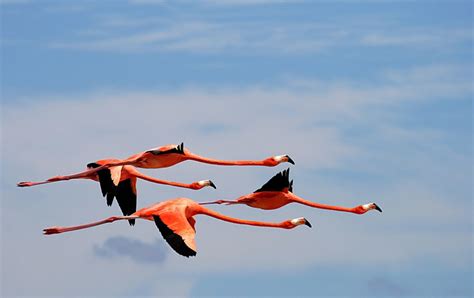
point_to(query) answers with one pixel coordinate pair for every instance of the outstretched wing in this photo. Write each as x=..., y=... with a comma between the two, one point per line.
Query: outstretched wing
x=126, y=194
x=279, y=182
x=177, y=231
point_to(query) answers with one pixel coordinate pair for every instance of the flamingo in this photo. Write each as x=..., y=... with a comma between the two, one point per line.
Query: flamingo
x=175, y=220
x=119, y=182
x=278, y=192
x=169, y=155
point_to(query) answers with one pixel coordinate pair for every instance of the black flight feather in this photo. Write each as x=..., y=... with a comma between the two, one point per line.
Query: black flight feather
x=277, y=183
x=174, y=240
x=126, y=199
x=178, y=149
x=106, y=184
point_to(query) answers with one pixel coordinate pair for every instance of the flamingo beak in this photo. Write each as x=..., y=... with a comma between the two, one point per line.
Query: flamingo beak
x=306, y=222
x=290, y=160
x=212, y=184
x=377, y=208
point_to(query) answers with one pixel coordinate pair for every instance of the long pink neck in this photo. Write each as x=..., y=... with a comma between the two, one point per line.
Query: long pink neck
x=239, y=221
x=159, y=181
x=297, y=199
x=57, y=230
x=198, y=158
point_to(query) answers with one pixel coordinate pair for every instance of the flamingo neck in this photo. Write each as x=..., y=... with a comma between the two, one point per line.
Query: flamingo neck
x=202, y=159
x=159, y=181
x=297, y=199
x=203, y=210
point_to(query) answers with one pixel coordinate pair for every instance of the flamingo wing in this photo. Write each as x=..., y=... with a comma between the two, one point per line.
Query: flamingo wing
x=115, y=174
x=106, y=184
x=177, y=231
x=126, y=194
x=279, y=182
x=125, y=191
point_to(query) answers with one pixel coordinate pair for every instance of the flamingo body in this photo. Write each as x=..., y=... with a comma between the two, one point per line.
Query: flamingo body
x=268, y=200
x=161, y=157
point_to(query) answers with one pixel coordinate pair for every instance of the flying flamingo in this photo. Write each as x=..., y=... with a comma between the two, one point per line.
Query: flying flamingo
x=119, y=182
x=174, y=219
x=277, y=192
x=169, y=155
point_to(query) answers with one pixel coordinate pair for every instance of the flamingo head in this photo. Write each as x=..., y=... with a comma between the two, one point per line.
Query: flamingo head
x=299, y=221
x=204, y=183
x=278, y=159
x=370, y=206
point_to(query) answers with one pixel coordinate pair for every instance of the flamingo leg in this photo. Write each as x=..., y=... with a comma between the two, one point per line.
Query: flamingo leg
x=57, y=230
x=89, y=174
x=221, y=202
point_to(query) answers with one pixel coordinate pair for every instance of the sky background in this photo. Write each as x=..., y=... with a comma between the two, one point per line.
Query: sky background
x=372, y=99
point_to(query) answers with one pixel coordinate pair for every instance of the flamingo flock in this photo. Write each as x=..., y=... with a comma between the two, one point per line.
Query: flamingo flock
x=174, y=218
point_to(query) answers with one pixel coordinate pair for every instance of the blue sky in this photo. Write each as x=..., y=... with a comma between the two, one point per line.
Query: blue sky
x=372, y=99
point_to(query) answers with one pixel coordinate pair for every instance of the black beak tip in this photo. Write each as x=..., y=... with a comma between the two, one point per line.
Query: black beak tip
x=211, y=184
x=290, y=160
x=377, y=208
x=308, y=223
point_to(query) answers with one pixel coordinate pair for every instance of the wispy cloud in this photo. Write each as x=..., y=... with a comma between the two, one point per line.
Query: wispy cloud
x=210, y=36
x=205, y=37
x=416, y=37
x=218, y=34
x=138, y=251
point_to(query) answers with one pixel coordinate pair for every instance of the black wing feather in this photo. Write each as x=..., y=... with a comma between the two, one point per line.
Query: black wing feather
x=277, y=183
x=174, y=240
x=106, y=184
x=127, y=199
x=178, y=149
